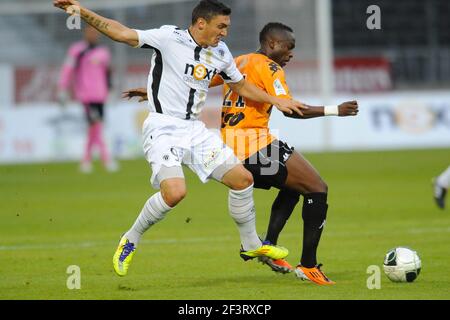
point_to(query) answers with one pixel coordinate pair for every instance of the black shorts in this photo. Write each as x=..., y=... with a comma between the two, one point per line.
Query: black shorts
x=94, y=112
x=268, y=165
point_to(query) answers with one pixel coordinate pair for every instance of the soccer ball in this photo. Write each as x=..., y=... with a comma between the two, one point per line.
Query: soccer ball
x=402, y=265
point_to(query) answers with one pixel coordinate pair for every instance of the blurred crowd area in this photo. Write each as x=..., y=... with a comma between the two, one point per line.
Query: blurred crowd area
x=410, y=51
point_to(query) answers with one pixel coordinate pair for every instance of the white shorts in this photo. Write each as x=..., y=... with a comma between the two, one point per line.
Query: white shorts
x=171, y=142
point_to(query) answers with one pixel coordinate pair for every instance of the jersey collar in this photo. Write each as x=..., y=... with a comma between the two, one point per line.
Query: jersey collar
x=260, y=52
x=190, y=35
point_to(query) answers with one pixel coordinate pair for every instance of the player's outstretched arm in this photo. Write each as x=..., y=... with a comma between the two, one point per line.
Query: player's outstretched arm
x=136, y=92
x=345, y=109
x=250, y=91
x=111, y=28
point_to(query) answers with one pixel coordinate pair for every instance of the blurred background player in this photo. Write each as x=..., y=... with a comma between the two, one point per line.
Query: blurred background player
x=440, y=185
x=86, y=72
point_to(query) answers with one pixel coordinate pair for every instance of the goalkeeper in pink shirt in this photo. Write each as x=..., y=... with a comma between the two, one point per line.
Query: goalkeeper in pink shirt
x=86, y=72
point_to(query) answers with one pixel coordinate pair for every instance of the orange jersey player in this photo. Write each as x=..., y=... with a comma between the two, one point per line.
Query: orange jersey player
x=273, y=163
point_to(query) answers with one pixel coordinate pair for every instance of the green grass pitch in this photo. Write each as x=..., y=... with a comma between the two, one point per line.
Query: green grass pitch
x=53, y=217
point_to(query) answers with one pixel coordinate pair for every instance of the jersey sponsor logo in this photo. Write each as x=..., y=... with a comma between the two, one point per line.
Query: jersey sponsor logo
x=199, y=72
x=198, y=76
x=279, y=89
x=232, y=119
x=95, y=60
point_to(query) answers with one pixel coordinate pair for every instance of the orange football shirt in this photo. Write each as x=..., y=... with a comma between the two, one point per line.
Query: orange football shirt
x=245, y=123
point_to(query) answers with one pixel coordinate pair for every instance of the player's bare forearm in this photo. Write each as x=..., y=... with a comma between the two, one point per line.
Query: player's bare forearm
x=311, y=112
x=250, y=91
x=348, y=108
x=111, y=28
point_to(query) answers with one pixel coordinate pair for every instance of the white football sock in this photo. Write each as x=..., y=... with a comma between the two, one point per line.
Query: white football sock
x=444, y=179
x=154, y=210
x=242, y=210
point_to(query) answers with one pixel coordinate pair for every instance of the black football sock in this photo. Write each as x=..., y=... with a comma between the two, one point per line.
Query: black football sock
x=314, y=215
x=282, y=208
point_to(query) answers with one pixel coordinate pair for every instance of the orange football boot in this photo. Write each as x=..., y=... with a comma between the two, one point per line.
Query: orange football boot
x=278, y=265
x=313, y=274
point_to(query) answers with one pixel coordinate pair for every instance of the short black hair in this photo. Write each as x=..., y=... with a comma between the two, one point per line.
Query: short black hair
x=271, y=27
x=207, y=9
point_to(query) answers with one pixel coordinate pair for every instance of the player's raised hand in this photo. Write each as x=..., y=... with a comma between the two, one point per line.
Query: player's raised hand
x=290, y=106
x=136, y=92
x=65, y=4
x=349, y=108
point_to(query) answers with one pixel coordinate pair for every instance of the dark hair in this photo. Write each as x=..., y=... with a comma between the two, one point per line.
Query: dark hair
x=271, y=27
x=207, y=9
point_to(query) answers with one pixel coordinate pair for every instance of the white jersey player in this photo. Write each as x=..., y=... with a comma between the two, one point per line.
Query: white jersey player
x=178, y=82
x=183, y=64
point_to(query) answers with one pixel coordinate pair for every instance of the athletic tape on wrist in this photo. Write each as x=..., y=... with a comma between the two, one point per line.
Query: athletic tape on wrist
x=331, y=110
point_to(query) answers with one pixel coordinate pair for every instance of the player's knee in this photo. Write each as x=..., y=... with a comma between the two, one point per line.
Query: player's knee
x=322, y=187
x=174, y=195
x=245, y=180
x=318, y=186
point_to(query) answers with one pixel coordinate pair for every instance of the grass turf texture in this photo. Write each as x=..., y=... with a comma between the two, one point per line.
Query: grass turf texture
x=53, y=217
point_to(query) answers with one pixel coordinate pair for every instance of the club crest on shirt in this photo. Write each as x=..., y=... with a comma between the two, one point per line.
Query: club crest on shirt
x=209, y=55
x=95, y=60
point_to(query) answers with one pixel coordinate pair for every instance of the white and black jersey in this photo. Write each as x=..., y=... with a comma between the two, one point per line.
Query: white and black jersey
x=181, y=71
